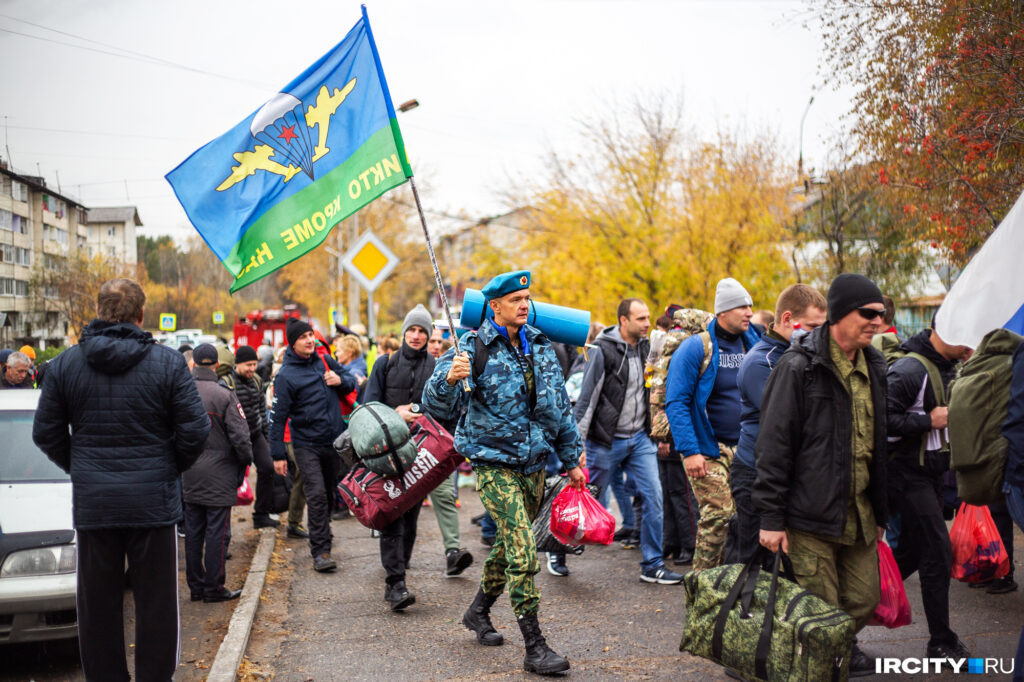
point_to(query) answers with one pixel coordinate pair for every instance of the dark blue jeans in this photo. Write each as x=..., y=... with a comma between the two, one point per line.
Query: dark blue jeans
x=745, y=528
x=638, y=456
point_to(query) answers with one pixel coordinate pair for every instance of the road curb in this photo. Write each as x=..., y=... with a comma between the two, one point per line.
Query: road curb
x=232, y=649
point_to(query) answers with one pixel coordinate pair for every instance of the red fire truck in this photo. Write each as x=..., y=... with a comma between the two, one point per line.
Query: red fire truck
x=265, y=324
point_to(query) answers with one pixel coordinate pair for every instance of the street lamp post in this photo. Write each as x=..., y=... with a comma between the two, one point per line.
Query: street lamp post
x=800, y=162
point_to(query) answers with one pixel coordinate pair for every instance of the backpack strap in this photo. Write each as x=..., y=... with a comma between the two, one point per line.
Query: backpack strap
x=939, y=390
x=481, y=353
x=705, y=338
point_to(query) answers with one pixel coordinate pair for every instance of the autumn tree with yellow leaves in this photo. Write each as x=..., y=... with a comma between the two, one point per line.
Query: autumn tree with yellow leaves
x=647, y=210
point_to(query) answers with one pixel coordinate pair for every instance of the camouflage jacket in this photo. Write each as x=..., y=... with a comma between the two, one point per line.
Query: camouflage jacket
x=495, y=423
x=688, y=322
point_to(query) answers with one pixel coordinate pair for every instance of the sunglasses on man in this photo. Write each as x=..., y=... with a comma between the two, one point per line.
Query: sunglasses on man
x=871, y=313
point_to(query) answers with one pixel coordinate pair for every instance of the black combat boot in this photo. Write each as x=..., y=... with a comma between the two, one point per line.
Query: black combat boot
x=478, y=619
x=539, y=658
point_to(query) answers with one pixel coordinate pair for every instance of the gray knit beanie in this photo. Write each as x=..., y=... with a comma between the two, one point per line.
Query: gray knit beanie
x=419, y=317
x=730, y=294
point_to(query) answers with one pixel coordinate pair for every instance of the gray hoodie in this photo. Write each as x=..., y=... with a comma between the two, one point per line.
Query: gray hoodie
x=633, y=416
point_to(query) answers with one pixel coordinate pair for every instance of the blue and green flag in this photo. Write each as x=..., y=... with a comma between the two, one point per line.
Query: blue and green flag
x=271, y=188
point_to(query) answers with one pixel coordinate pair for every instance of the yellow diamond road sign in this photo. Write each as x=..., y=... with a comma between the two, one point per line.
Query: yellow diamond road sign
x=369, y=261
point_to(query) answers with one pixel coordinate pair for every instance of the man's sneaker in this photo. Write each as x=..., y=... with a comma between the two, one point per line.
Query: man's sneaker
x=861, y=664
x=1002, y=585
x=556, y=564
x=487, y=540
x=661, y=576
x=339, y=514
x=957, y=650
x=622, y=533
x=476, y=520
x=297, y=532
x=398, y=597
x=324, y=563
x=264, y=521
x=684, y=558
x=181, y=530
x=631, y=542
x=456, y=561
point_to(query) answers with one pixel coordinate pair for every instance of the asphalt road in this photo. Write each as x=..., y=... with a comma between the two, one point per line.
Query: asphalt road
x=608, y=623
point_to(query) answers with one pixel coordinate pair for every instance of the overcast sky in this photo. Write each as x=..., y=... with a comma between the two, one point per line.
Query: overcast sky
x=113, y=94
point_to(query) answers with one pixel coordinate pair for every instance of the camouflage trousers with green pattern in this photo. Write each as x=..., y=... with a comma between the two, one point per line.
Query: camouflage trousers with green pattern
x=714, y=497
x=512, y=499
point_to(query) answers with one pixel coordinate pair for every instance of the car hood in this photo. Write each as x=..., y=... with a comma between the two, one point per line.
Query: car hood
x=32, y=507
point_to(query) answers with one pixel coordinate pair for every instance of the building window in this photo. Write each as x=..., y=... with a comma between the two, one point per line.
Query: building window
x=51, y=262
x=83, y=216
x=6, y=220
x=13, y=287
x=112, y=231
x=50, y=291
x=19, y=191
x=15, y=254
x=55, y=234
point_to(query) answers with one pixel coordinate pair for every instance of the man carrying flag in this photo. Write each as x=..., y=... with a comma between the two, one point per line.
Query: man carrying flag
x=270, y=189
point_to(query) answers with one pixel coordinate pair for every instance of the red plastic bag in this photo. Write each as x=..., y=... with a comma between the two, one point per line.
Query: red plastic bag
x=245, y=493
x=978, y=553
x=893, y=610
x=578, y=519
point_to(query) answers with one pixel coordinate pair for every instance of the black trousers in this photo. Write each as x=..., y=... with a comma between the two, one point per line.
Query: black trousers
x=152, y=555
x=745, y=527
x=206, y=528
x=396, y=543
x=319, y=465
x=264, y=503
x=924, y=547
x=679, y=531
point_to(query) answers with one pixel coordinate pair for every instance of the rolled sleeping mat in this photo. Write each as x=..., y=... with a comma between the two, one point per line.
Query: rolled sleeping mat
x=558, y=323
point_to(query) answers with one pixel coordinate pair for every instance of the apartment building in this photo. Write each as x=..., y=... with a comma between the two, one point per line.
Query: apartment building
x=112, y=233
x=39, y=228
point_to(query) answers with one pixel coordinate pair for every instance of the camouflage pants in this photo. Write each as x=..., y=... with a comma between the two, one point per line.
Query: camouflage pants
x=846, y=576
x=714, y=497
x=512, y=499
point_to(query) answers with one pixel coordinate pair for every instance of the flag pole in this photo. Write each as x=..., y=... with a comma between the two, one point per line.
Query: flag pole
x=437, y=275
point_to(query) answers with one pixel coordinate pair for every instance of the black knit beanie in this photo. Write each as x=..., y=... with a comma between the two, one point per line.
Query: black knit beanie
x=245, y=354
x=296, y=328
x=848, y=292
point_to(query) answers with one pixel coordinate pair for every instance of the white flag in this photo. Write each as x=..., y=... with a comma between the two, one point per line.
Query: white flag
x=990, y=291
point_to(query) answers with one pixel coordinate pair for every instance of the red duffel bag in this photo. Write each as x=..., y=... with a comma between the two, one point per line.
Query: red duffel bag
x=376, y=501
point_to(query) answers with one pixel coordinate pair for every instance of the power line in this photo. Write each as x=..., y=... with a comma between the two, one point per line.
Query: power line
x=125, y=53
x=98, y=132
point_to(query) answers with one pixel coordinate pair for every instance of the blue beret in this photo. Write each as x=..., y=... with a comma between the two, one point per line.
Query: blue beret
x=506, y=283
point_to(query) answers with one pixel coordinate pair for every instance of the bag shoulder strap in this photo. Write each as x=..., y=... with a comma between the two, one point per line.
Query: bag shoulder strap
x=705, y=337
x=939, y=390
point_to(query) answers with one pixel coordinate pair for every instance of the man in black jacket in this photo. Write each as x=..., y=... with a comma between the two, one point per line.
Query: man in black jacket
x=247, y=385
x=136, y=423
x=211, y=486
x=821, y=455
x=397, y=381
x=918, y=457
x=307, y=390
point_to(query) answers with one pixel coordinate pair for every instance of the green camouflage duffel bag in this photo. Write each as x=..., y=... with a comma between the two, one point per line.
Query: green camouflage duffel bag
x=381, y=439
x=763, y=626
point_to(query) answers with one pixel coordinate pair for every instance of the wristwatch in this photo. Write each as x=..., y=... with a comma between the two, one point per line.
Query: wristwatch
x=415, y=408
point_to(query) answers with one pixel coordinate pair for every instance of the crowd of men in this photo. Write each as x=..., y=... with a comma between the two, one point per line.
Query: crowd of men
x=794, y=433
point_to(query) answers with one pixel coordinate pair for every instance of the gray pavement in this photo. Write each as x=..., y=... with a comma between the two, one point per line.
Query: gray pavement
x=602, y=617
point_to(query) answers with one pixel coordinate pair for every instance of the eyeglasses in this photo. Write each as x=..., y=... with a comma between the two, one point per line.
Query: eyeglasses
x=871, y=313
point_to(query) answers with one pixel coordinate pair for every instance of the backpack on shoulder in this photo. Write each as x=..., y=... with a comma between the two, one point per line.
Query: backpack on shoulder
x=691, y=321
x=938, y=462
x=977, y=409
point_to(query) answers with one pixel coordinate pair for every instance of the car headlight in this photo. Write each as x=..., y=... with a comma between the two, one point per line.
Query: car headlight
x=39, y=561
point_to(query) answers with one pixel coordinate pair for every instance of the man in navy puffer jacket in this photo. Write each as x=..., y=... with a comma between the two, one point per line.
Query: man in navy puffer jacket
x=136, y=423
x=307, y=390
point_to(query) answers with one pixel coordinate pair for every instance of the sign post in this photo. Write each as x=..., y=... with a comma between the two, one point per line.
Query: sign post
x=369, y=261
